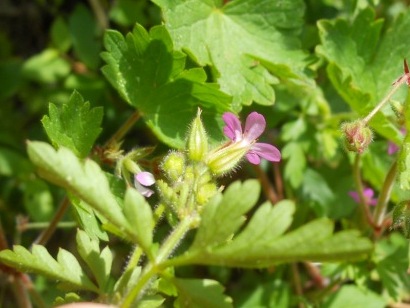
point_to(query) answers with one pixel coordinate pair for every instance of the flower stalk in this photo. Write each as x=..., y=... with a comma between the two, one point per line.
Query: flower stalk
x=151, y=270
x=384, y=197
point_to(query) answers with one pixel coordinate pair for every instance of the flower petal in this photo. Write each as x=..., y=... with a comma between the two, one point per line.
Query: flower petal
x=232, y=128
x=253, y=158
x=392, y=148
x=145, y=191
x=254, y=126
x=368, y=193
x=373, y=202
x=145, y=178
x=355, y=196
x=266, y=151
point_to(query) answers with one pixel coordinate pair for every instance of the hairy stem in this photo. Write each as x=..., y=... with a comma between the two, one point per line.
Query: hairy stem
x=266, y=186
x=154, y=267
x=396, y=86
x=366, y=216
x=120, y=133
x=384, y=196
x=138, y=252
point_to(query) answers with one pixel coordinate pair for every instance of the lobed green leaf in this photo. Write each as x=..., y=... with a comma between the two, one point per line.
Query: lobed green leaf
x=223, y=215
x=363, y=63
x=139, y=215
x=74, y=125
x=65, y=269
x=150, y=75
x=84, y=179
x=98, y=261
x=250, y=43
x=200, y=293
x=263, y=241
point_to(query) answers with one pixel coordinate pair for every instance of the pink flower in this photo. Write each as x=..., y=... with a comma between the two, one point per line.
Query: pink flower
x=368, y=194
x=392, y=148
x=254, y=127
x=142, y=180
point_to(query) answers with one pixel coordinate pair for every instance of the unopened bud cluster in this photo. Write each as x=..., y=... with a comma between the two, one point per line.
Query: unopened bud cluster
x=190, y=176
x=357, y=136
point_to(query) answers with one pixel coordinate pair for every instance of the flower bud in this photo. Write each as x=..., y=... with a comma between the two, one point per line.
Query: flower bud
x=226, y=158
x=197, y=139
x=174, y=165
x=206, y=192
x=357, y=136
x=168, y=195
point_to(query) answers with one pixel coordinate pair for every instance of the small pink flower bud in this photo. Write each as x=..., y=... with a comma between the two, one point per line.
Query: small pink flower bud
x=357, y=136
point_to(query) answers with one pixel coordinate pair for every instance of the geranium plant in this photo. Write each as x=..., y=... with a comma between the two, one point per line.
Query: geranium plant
x=207, y=154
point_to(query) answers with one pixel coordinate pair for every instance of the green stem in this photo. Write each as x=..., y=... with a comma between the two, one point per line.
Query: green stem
x=43, y=225
x=366, y=216
x=297, y=284
x=20, y=292
x=384, y=196
x=43, y=238
x=268, y=190
x=120, y=133
x=152, y=268
x=99, y=12
x=137, y=253
x=278, y=181
x=396, y=86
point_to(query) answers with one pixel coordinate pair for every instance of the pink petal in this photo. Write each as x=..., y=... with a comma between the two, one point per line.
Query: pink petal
x=392, y=148
x=355, y=196
x=145, y=178
x=254, y=126
x=368, y=193
x=232, y=127
x=266, y=151
x=373, y=202
x=253, y=158
x=145, y=191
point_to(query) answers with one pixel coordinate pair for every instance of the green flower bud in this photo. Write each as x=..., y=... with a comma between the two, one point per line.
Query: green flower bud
x=174, y=165
x=206, y=192
x=197, y=139
x=357, y=136
x=168, y=195
x=226, y=158
x=189, y=175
